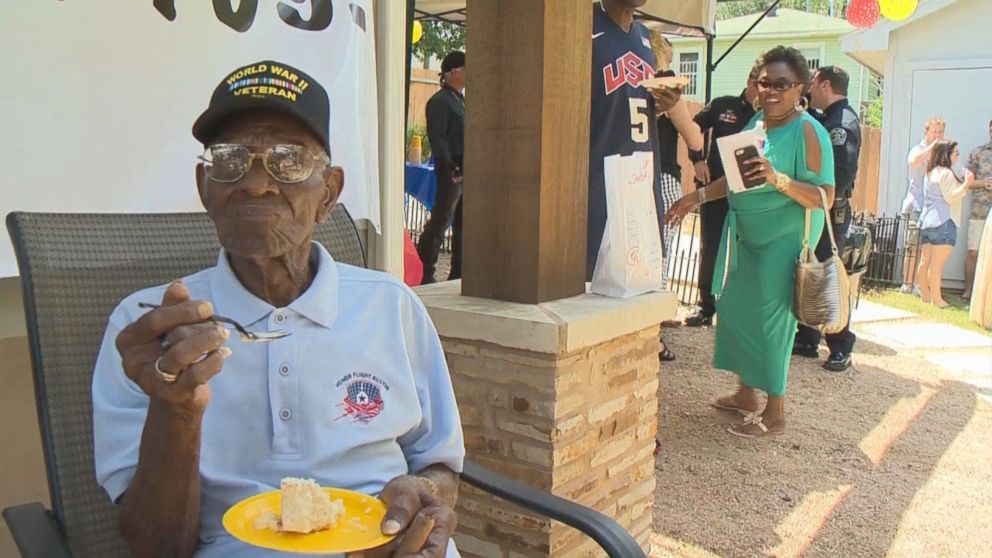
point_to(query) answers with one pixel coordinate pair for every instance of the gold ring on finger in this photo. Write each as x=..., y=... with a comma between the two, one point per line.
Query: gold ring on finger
x=167, y=377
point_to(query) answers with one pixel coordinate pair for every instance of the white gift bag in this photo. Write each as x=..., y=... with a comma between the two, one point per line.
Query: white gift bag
x=629, y=262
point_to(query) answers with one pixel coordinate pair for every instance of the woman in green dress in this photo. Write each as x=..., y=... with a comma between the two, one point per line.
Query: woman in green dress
x=762, y=239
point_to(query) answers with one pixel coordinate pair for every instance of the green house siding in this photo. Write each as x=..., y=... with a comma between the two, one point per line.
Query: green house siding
x=731, y=74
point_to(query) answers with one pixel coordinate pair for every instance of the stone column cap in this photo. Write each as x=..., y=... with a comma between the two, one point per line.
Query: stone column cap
x=556, y=327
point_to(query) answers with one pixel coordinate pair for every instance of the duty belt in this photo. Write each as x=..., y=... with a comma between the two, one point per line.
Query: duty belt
x=841, y=202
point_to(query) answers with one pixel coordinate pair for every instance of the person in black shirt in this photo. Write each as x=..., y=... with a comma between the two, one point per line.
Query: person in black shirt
x=828, y=93
x=623, y=115
x=446, y=133
x=723, y=116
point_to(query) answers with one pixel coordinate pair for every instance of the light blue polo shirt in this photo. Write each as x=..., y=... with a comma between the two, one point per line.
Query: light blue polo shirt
x=357, y=395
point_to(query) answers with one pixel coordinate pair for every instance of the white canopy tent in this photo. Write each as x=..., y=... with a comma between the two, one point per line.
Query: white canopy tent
x=688, y=17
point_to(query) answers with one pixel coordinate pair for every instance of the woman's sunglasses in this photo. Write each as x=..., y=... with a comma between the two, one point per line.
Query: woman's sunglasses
x=779, y=86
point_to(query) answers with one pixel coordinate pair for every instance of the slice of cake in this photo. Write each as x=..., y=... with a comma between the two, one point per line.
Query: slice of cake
x=306, y=508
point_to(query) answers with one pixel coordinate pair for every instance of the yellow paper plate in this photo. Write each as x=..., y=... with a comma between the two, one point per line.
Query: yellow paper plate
x=359, y=529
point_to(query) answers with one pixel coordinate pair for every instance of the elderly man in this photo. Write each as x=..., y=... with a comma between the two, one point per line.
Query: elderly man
x=189, y=420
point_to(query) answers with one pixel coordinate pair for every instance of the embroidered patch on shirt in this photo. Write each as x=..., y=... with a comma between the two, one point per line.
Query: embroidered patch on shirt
x=838, y=136
x=363, y=397
x=728, y=116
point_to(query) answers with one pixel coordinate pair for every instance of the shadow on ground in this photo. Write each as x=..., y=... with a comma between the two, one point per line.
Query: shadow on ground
x=865, y=347
x=859, y=446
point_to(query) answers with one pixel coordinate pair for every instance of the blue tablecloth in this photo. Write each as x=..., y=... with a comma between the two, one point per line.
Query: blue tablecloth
x=421, y=183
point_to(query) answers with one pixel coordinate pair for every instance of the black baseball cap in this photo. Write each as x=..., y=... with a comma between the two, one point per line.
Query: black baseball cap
x=454, y=59
x=268, y=85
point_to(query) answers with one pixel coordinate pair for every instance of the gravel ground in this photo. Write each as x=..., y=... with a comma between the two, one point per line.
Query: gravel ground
x=814, y=491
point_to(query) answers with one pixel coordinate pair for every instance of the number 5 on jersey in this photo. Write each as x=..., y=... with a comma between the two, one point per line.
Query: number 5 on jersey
x=639, y=120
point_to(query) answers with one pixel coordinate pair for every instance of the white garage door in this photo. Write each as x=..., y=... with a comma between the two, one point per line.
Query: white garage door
x=961, y=97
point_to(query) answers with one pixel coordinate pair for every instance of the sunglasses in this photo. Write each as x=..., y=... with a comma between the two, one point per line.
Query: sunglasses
x=288, y=164
x=779, y=86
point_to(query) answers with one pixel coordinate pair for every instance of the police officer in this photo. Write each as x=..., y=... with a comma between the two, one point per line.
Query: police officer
x=828, y=94
x=723, y=116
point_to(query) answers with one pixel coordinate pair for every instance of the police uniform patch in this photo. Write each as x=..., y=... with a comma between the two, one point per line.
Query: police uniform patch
x=838, y=136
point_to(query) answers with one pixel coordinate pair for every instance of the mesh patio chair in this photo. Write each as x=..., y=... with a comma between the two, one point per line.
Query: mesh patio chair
x=74, y=269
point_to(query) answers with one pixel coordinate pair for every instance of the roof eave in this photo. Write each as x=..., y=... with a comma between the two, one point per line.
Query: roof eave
x=769, y=37
x=869, y=46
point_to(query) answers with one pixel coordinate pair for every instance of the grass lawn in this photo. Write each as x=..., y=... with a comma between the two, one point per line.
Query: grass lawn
x=955, y=314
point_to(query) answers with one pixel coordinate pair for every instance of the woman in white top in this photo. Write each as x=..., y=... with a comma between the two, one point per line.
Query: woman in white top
x=942, y=196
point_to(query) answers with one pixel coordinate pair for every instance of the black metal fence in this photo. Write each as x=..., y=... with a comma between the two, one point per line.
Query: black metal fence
x=415, y=216
x=895, y=250
x=683, y=261
x=894, y=255
x=682, y=264
x=890, y=259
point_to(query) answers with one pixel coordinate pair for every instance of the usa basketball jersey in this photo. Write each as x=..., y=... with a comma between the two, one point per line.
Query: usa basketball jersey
x=623, y=115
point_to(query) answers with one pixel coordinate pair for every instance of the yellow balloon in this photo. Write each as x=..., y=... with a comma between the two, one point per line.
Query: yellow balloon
x=897, y=9
x=418, y=31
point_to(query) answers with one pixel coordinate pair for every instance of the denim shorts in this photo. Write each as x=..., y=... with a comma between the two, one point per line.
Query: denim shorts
x=943, y=235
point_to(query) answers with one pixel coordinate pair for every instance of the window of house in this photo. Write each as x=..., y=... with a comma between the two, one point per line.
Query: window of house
x=813, y=56
x=689, y=66
x=871, y=98
x=874, y=86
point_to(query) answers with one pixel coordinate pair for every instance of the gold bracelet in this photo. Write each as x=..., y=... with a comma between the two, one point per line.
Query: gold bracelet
x=782, y=182
x=431, y=485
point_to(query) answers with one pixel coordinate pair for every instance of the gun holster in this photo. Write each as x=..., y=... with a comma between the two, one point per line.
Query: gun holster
x=838, y=213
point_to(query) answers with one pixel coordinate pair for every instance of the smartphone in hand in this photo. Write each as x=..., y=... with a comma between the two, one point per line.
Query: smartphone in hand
x=744, y=154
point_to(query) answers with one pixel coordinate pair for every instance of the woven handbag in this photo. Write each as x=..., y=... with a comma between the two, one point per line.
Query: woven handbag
x=821, y=297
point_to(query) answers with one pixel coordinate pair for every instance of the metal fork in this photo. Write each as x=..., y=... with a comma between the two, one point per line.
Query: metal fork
x=246, y=336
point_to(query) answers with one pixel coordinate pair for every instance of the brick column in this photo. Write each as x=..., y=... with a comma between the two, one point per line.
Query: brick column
x=561, y=396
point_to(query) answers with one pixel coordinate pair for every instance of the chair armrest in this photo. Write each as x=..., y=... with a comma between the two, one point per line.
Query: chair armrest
x=613, y=538
x=35, y=532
